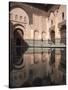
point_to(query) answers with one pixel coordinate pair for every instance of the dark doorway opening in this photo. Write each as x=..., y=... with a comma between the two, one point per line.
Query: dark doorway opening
x=52, y=33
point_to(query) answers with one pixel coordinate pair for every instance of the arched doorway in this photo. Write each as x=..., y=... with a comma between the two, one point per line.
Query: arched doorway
x=36, y=33
x=52, y=33
x=18, y=35
x=20, y=47
x=43, y=35
x=36, y=38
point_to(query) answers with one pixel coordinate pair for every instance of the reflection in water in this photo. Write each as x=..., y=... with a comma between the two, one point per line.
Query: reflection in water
x=42, y=68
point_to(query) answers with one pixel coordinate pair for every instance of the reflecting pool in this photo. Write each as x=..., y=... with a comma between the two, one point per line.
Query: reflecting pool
x=40, y=67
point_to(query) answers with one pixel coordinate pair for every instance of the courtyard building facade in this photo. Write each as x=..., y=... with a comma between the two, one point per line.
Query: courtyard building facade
x=37, y=43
